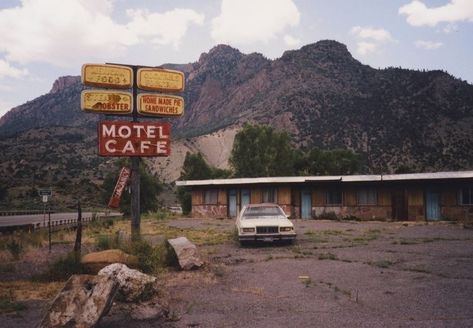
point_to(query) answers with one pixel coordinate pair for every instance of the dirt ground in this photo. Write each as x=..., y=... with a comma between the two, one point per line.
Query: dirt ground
x=355, y=274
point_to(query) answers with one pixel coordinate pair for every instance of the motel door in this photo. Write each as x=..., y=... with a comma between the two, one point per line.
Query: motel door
x=432, y=205
x=232, y=203
x=399, y=205
x=306, y=204
x=245, y=197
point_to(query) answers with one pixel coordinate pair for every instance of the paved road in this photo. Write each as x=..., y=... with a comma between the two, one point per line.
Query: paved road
x=43, y=220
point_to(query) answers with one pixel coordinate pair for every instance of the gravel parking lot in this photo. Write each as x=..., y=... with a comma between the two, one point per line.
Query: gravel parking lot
x=337, y=274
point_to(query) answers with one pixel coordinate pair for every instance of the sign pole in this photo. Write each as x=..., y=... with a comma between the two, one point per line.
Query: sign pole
x=135, y=173
x=49, y=228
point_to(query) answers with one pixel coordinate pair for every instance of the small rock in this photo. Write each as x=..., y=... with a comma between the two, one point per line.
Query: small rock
x=94, y=262
x=83, y=301
x=186, y=253
x=133, y=285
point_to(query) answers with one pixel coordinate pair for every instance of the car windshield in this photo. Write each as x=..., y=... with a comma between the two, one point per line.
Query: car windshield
x=262, y=211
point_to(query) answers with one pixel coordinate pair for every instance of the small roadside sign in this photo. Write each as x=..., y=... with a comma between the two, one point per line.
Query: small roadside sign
x=106, y=101
x=45, y=192
x=107, y=76
x=159, y=79
x=45, y=198
x=151, y=104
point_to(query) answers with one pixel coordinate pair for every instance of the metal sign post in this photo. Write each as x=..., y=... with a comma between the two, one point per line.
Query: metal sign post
x=45, y=194
x=135, y=174
x=49, y=228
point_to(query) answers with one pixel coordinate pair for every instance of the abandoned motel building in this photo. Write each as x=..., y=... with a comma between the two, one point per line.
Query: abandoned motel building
x=399, y=197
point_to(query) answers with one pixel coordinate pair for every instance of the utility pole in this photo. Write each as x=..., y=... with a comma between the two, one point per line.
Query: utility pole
x=135, y=173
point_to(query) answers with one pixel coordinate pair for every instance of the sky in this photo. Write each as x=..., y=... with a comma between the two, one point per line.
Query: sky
x=41, y=40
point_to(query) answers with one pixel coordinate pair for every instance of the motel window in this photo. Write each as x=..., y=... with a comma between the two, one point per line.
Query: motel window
x=333, y=197
x=270, y=195
x=466, y=196
x=367, y=196
x=210, y=197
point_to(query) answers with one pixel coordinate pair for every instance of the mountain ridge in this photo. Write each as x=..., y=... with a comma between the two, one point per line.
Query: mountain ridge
x=319, y=94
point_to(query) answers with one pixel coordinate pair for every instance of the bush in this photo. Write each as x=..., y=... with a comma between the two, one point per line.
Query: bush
x=327, y=216
x=104, y=242
x=61, y=269
x=15, y=248
x=8, y=303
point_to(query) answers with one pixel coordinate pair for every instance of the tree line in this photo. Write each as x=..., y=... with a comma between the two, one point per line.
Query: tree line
x=261, y=151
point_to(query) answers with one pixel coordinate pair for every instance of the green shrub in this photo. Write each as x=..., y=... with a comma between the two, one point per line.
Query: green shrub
x=61, y=269
x=103, y=242
x=15, y=248
x=8, y=303
x=150, y=259
x=327, y=216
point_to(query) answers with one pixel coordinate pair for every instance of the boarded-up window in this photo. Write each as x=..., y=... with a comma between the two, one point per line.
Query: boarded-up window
x=367, y=196
x=466, y=196
x=211, y=197
x=270, y=195
x=333, y=197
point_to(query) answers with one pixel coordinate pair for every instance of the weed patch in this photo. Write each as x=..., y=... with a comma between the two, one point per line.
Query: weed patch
x=61, y=269
x=8, y=304
x=381, y=264
x=15, y=247
x=328, y=256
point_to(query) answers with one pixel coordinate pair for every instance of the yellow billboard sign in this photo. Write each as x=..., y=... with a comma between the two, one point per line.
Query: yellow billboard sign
x=107, y=76
x=106, y=101
x=150, y=104
x=158, y=79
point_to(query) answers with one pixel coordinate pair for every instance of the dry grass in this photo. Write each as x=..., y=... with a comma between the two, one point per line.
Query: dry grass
x=159, y=227
x=22, y=290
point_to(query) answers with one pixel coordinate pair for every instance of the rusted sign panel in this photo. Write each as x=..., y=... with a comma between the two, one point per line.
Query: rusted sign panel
x=119, y=138
x=106, y=102
x=160, y=105
x=119, y=187
x=158, y=79
x=107, y=76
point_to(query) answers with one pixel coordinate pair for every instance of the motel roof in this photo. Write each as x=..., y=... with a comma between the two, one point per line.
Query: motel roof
x=333, y=178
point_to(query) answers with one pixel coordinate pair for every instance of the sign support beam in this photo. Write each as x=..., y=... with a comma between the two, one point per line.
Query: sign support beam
x=135, y=174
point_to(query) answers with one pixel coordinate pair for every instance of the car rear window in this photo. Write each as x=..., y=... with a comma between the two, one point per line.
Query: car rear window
x=251, y=212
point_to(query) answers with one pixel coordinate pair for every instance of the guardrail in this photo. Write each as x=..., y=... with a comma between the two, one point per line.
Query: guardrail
x=22, y=212
x=56, y=224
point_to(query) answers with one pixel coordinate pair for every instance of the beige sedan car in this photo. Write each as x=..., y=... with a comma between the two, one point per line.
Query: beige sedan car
x=264, y=222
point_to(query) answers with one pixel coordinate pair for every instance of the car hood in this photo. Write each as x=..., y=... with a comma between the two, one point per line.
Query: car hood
x=283, y=222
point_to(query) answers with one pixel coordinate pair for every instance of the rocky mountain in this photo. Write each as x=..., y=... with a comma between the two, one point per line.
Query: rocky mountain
x=320, y=94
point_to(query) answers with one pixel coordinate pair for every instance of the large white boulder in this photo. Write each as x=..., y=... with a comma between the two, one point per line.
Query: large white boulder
x=83, y=301
x=133, y=285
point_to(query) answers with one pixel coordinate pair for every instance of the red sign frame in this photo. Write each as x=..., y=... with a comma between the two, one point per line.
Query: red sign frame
x=143, y=139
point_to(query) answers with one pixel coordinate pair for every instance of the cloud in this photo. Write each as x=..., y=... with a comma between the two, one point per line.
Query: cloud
x=163, y=29
x=375, y=34
x=291, y=41
x=365, y=48
x=64, y=32
x=6, y=70
x=418, y=14
x=428, y=45
x=370, y=39
x=250, y=21
x=449, y=28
